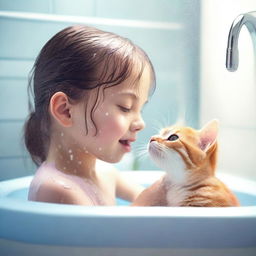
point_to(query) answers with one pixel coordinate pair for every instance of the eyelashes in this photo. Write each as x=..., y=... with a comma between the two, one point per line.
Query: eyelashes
x=124, y=109
x=127, y=109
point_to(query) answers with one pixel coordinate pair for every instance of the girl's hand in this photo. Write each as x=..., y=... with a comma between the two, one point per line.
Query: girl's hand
x=155, y=195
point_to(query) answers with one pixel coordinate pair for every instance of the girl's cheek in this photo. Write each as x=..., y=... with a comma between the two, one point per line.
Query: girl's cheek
x=113, y=127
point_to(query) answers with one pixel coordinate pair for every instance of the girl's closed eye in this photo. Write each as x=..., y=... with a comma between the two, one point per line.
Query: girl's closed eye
x=125, y=109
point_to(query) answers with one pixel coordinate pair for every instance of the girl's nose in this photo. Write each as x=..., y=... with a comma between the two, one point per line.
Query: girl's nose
x=137, y=125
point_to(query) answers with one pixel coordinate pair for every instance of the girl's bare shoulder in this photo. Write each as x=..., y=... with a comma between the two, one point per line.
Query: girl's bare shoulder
x=57, y=189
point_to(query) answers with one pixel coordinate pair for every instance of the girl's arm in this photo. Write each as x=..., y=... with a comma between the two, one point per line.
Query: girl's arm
x=126, y=188
x=154, y=195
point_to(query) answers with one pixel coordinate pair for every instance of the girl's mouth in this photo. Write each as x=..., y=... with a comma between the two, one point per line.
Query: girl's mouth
x=126, y=145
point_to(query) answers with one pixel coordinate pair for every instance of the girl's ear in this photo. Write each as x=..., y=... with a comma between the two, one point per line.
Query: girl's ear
x=60, y=109
x=208, y=135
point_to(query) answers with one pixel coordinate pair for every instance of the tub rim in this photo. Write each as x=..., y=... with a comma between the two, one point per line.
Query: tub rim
x=124, y=226
x=13, y=204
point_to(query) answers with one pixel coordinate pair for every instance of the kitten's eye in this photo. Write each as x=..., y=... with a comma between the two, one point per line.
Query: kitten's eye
x=173, y=137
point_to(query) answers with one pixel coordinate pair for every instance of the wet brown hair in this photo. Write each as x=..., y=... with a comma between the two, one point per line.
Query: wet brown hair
x=74, y=61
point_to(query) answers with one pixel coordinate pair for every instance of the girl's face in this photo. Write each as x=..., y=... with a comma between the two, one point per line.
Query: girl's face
x=117, y=117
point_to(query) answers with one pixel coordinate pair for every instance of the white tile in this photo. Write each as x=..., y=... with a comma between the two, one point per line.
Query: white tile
x=228, y=96
x=16, y=167
x=76, y=7
x=25, y=5
x=11, y=140
x=14, y=99
x=237, y=151
x=15, y=68
x=163, y=10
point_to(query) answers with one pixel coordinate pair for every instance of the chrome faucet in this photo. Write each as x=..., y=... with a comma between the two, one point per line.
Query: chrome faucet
x=232, y=56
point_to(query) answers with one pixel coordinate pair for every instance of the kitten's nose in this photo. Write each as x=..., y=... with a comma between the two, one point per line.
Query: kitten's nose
x=156, y=138
x=152, y=139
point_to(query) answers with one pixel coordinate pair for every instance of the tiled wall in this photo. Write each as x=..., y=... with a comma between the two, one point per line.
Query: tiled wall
x=229, y=96
x=170, y=39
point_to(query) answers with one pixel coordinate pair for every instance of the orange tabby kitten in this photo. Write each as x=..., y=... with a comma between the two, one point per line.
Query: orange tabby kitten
x=189, y=158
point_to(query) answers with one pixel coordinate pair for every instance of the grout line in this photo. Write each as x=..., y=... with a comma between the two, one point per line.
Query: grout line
x=13, y=77
x=14, y=157
x=92, y=20
x=232, y=127
x=12, y=120
x=16, y=59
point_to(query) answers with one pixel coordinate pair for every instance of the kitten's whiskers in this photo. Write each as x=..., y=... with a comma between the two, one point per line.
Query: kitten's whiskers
x=142, y=151
x=157, y=125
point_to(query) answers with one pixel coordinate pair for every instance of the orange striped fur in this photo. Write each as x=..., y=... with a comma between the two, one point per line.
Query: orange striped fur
x=189, y=158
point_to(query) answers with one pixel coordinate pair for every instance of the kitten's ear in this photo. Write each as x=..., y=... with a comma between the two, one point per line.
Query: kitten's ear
x=208, y=135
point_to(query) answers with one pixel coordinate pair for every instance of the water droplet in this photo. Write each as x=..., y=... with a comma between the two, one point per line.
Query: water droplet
x=62, y=183
x=100, y=149
x=64, y=168
x=66, y=186
x=79, y=162
x=70, y=151
x=106, y=113
x=71, y=157
x=61, y=134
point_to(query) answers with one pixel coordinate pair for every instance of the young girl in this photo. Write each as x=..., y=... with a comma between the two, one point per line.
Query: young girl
x=89, y=89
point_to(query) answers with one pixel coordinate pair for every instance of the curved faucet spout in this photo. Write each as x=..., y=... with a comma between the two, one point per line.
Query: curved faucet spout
x=232, y=56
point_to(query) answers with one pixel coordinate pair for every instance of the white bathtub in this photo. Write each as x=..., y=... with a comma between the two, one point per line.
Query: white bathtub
x=32, y=228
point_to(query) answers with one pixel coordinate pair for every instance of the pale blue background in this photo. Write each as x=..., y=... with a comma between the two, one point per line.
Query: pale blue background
x=175, y=56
